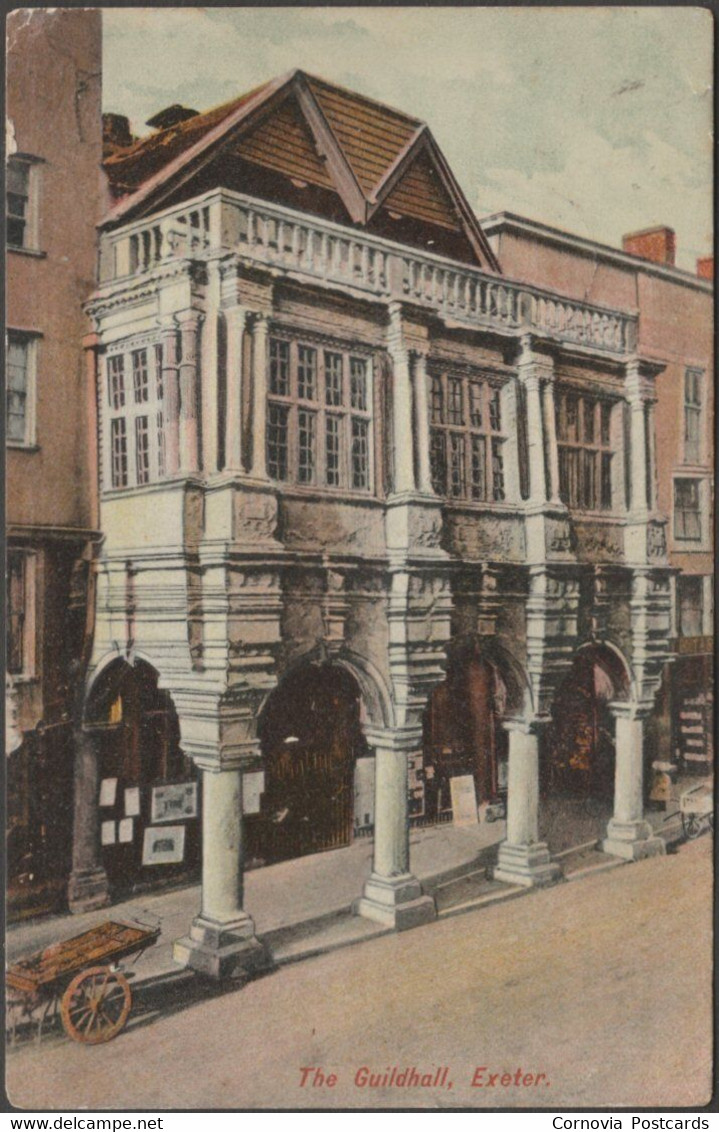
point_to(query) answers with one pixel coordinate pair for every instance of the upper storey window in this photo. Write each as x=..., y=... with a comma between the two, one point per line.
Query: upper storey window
x=318, y=416
x=21, y=187
x=20, y=389
x=693, y=388
x=136, y=433
x=584, y=443
x=466, y=442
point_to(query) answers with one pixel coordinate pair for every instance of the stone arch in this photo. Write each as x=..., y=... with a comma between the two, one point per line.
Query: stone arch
x=519, y=696
x=133, y=730
x=311, y=738
x=614, y=665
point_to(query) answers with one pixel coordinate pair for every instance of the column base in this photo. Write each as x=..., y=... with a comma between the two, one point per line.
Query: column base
x=632, y=840
x=222, y=950
x=88, y=890
x=397, y=902
x=529, y=865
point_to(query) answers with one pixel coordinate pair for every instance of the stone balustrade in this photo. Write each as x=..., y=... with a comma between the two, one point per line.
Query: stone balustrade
x=311, y=248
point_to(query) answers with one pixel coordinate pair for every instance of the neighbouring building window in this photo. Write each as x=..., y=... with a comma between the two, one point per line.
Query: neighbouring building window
x=466, y=442
x=693, y=383
x=20, y=599
x=20, y=388
x=690, y=600
x=687, y=510
x=20, y=203
x=584, y=450
x=136, y=451
x=318, y=418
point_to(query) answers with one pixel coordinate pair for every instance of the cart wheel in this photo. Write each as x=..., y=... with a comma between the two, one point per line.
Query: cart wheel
x=692, y=826
x=96, y=1005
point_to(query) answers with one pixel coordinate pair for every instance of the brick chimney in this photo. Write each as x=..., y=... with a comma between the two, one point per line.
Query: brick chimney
x=116, y=133
x=170, y=116
x=705, y=267
x=656, y=244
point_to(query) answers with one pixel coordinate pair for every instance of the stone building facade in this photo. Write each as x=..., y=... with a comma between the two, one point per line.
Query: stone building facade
x=53, y=155
x=353, y=481
x=675, y=311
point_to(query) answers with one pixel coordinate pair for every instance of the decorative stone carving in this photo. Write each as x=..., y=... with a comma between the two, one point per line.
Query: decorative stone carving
x=194, y=517
x=483, y=537
x=255, y=516
x=425, y=527
x=656, y=540
x=597, y=543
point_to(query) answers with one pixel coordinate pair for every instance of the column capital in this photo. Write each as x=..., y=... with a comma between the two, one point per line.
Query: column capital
x=235, y=314
x=394, y=739
x=639, y=377
x=259, y=320
x=623, y=709
x=189, y=319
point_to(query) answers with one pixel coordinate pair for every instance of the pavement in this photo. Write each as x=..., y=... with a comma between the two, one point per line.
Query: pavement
x=302, y=907
x=586, y=995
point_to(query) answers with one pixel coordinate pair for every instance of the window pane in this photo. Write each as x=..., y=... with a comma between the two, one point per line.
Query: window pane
x=454, y=402
x=437, y=401
x=18, y=178
x=142, y=450
x=306, y=373
x=606, y=426
x=333, y=379
x=16, y=202
x=497, y=471
x=161, y=460
x=589, y=408
x=116, y=381
x=479, y=463
x=475, y=404
x=140, y=382
x=457, y=471
x=16, y=392
x=438, y=461
x=15, y=618
x=690, y=606
x=589, y=484
x=606, y=501
x=158, y=372
x=307, y=431
x=279, y=367
x=495, y=411
x=692, y=434
x=358, y=384
x=360, y=454
x=572, y=411
x=118, y=452
x=332, y=450
x=277, y=463
x=687, y=516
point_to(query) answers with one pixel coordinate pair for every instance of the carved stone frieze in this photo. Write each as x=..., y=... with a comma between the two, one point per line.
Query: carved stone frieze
x=656, y=540
x=332, y=526
x=595, y=542
x=485, y=537
x=255, y=516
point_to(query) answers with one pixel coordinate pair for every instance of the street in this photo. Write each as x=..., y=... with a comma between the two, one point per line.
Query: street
x=595, y=993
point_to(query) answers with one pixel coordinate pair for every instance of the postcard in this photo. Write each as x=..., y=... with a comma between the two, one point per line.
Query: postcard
x=359, y=452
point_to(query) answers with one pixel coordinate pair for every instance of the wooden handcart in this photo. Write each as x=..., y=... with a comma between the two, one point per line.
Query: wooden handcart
x=81, y=976
x=697, y=809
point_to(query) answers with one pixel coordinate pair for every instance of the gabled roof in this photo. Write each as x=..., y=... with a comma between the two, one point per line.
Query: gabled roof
x=337, y=138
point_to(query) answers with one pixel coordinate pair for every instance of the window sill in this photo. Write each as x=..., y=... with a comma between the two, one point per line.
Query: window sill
x=34, y=253
x=22, y=445
x=23, y=678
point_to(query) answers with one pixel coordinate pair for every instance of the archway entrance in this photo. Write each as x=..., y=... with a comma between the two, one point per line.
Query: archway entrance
x=311, y=738
x=148, y=796
x=577, y=769
x=462, y=735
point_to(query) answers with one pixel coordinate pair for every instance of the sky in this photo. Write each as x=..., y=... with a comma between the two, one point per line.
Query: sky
x=594, y=120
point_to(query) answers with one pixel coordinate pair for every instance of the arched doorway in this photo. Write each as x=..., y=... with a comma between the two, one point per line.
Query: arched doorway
x=462, y=735
x=577, y=767
x=311, y=738
x=148, y=794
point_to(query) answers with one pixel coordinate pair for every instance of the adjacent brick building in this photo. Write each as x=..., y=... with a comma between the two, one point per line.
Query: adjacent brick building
x=53, y=203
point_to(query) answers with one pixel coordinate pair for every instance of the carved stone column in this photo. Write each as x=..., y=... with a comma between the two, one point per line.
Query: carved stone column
x=628, y=834
x=422, y=423
x=550, y=424
x=260, y=329
x=636, y=399
x=189, y=323
x=171, y=398
x=235, y=321
x=222, y=941
x=88, y=888
x=392, y=895
x=209, y=385
x=401, y=406
x=523, y=858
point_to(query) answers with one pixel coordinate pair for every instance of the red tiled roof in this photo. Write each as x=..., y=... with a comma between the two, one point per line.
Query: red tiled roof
x=129, y=168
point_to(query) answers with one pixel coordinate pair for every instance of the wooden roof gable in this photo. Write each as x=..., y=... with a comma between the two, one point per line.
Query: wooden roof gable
x=306, y=128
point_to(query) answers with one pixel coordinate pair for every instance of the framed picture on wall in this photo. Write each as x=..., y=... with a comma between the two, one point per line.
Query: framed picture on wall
x=164, y=846
x=174, y=801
